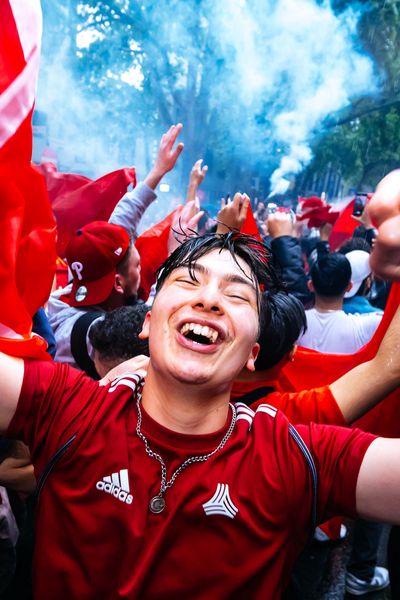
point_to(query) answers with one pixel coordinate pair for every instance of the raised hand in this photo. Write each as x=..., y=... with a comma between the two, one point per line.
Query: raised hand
x=184, y=224
x=197, y=175
x=167, y=156
x=233, y=214
x=279, y=224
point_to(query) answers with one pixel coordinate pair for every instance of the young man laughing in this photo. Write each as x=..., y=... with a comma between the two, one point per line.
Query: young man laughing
x=167, y=490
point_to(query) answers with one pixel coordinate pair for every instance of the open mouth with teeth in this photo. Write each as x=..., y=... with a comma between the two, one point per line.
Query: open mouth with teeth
x=198, y=333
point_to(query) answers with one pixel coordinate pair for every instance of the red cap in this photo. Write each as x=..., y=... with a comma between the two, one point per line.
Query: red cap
x=93, y=255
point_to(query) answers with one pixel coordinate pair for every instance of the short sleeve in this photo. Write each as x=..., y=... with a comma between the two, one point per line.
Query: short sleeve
x=55, y=400
x=338, y=453
x=317, y=405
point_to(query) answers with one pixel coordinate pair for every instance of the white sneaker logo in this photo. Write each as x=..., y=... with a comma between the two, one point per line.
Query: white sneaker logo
x=117, y=485
x=221, y=503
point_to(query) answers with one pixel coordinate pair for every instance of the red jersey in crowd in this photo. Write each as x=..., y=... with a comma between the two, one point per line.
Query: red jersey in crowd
x=232, y=526
x=317, y=405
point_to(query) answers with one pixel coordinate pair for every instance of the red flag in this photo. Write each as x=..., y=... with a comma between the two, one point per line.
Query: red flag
x=344, y=227
x=60, y=183
x=316, y=211
x=152, y=246
x=78, y=200
x=27, y=244
x=249, y=227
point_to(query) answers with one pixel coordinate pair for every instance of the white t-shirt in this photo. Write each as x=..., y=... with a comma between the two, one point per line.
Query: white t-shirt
x=336, y=332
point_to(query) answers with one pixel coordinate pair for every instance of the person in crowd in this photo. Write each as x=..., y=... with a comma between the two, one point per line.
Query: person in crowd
x=329, y=328
x=330, y=331
x=363, y=574
x=356, y=298
x=115, y=337
x=105, y=265
x=175, y=466
x=288, y=257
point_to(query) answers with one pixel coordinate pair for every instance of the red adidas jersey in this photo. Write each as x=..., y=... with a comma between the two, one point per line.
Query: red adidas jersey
x=232, y=526
x=317, y=405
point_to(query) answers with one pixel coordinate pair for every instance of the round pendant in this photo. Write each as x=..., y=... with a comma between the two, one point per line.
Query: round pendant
x=157, y=504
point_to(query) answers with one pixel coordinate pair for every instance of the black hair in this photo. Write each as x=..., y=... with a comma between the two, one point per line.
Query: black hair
x=253, y=252
x=115, y=337
x=330, y=275
x=287, y=322
x=355, y=243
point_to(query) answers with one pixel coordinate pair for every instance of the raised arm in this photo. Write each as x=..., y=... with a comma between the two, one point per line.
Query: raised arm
x=287, y=253
x=132, y=205
x=363, y=387
x=197, y=175
x=232, y=215
x=11, y=375
x=167, y=156
x=378, y=484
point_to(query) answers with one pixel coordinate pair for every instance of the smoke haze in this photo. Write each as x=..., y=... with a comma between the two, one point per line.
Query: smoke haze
x=286, y=66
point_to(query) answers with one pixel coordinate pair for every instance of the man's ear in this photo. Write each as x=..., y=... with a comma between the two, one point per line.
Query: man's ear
x=250, y=364
x=144, y=334
x=119, y=283
x=349, y=286
x=310, y=286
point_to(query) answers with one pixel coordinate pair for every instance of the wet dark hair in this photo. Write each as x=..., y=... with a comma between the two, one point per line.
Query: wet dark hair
x=115, y=337
x=253, y=252
x=330, y=275
x=287, y=322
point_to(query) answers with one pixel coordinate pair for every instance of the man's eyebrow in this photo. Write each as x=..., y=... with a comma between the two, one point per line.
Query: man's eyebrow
x=231, y=278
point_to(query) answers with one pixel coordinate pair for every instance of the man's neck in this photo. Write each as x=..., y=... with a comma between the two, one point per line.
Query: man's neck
x=184, y=408
x=324, y=304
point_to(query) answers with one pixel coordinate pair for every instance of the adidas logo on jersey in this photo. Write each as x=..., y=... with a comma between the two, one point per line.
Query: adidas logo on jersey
x=117, y=485
x=221, y=503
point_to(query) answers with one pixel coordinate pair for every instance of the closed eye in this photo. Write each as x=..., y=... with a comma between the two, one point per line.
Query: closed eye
x=186, y=280
x=236, y=296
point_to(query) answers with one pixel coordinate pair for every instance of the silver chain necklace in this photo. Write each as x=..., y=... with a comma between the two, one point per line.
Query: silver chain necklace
x=157, y=503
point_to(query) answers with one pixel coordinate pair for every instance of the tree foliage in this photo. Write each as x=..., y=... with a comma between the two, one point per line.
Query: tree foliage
x=178, y=80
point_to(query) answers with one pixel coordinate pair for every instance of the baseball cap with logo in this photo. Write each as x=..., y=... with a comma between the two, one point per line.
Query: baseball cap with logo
x=360, y=269
x=93, y=255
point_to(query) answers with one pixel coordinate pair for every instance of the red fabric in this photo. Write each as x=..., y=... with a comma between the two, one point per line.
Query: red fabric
x=316, y=211
x=249, y=227
x=310, y=369
x=317, y=217
x=311, y=202
x=313, y=369
x=27, y=243
x=77, y=200
x=60, y=183
x=344, y=227
x=61, y=273
x=152, y=246
x=269, y=521
x=316, y=405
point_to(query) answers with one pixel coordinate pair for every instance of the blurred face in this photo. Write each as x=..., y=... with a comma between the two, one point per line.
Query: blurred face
x=130, y=277
x=205, y=331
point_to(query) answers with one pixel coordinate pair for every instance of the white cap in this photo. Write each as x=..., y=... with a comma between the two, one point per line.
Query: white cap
x=360, y=269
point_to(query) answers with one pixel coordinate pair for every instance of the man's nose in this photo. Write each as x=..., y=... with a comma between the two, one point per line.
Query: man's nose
x=209, y=299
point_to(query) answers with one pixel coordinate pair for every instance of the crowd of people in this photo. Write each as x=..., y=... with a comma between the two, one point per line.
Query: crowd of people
x=163, y=453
